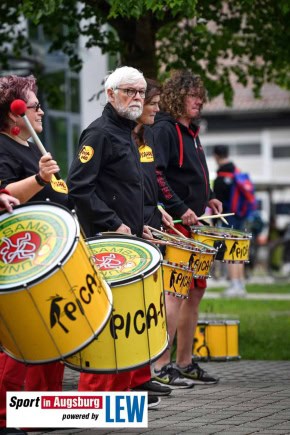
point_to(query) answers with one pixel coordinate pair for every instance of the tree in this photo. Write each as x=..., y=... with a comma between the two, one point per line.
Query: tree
x=245, y=38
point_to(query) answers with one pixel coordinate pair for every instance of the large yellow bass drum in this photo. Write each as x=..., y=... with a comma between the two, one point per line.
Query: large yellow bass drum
x=53, y=301
x=136, y=333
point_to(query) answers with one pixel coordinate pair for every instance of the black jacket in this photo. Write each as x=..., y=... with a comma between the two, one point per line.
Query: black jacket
x=18, y=162
x=105, y=179
x=152, y=215
x=182, y=171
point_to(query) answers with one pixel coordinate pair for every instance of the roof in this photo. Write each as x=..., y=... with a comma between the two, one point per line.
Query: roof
x=272, y=98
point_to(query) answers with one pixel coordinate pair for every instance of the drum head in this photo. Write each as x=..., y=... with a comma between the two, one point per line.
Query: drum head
x=34, y=240
x=123, y=259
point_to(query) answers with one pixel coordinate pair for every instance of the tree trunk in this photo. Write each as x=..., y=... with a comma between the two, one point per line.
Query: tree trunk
x=138, y=38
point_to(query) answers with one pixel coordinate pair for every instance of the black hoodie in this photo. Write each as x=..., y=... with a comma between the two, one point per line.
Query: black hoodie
x=105, y=180
x=181, y=167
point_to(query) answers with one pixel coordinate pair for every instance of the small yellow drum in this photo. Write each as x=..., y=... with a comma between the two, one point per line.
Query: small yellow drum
x=232, y=246
x=53, y=302
x=176, y=279
x=189, y=254
x=137, y=333
x=217, y=340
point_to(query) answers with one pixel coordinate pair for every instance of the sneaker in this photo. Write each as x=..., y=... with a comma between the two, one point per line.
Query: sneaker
x=196, y=374
x=153, y=401
x=153, y=388
x=234, y=292
x=168, y=375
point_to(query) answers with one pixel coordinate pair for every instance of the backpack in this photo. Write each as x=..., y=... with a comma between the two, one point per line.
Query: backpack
x=242, y=198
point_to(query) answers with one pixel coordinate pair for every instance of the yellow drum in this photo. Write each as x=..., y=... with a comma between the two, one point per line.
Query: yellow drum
x=136, y=334
x=232, y=246
x=217, y=340
x=189, y=254
x=176, y=279
x=53, y=302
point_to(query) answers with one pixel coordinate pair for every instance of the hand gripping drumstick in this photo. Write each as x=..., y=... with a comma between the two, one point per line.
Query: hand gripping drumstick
x=18, y=107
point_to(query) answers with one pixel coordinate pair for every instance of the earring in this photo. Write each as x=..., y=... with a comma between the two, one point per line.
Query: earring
x=15, y=130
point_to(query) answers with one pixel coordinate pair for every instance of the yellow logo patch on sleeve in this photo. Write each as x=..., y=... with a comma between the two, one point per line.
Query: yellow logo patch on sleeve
x=86, y=153
x=146, y=154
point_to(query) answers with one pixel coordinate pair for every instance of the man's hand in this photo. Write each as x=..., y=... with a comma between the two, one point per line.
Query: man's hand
x=189, y=218
x=166, y=218
x=123, y=229
x=216, y=206
x=147, y=233
x=7, y=202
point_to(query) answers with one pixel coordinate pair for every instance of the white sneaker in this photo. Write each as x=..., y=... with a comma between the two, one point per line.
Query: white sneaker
x=234, y=292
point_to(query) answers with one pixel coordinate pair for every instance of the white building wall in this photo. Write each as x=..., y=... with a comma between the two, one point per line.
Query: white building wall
x=92, y=75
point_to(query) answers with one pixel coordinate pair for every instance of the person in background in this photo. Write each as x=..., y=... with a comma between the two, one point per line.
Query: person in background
x=183, y=179
x=106, y=179
x=222, y=188
x=26, y=175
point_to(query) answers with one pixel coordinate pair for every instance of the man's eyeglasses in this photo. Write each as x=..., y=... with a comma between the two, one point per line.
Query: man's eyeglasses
x=36, y=107
x=133, y=92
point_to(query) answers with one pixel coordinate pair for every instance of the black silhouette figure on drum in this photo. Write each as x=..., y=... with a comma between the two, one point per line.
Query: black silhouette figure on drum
x=191, y=261
x=55, y=313
x=172, y=280
x=233, y=248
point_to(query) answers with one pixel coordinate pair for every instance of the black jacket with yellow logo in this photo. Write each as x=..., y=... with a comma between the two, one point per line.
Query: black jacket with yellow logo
x=105, y=179
x=152, y=216
x=182, y=171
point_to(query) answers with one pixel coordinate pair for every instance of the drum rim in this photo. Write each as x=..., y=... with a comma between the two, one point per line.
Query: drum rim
x=62, y=259
x=197, y=230
x=136, y=278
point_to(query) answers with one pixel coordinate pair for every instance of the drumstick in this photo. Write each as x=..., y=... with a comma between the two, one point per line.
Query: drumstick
x=213, y=216
x=170, y=236
x=18, y=107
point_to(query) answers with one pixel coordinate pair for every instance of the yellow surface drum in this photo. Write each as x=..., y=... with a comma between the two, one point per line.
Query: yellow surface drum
x=233, y=246
x=217, y=340
x=53, y=302
x=136, y=333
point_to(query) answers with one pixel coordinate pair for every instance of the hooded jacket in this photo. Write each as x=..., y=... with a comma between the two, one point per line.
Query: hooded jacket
x=105, y=179
x=181, y=167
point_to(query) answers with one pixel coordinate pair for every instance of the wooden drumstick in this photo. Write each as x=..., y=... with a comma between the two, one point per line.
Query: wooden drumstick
x=170, y=236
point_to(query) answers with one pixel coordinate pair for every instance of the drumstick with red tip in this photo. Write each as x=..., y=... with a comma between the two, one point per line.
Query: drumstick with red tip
x=18, y=107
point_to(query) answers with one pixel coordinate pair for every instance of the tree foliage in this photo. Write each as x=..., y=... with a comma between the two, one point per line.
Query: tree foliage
x=247, y=39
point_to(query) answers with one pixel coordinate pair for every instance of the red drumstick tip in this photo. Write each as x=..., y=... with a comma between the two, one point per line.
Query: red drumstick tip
x=18, y=107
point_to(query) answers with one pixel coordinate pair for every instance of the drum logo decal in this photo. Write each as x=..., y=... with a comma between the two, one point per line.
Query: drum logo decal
x=30, y=246
x=19, y=247
x=118, y=260
x=64, y=310
x=109, y=260
x=86, y=153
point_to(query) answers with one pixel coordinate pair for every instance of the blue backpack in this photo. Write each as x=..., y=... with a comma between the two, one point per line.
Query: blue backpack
x=242, y=199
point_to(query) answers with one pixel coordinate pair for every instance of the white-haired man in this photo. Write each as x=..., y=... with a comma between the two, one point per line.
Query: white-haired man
x=106, y=184
x=105, y=178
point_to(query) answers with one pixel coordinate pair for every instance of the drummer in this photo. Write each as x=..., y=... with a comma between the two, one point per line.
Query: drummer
x=26, y=175
x=154, y=216
x=106, y=182
x=183, y=179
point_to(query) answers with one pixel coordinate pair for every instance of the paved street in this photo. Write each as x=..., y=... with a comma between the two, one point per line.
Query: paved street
x=252, y=397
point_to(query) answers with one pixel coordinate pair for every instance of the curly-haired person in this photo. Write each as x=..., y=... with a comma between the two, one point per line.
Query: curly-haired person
x=183, y=180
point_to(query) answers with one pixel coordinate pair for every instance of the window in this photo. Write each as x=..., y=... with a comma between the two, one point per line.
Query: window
x=280, y=151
